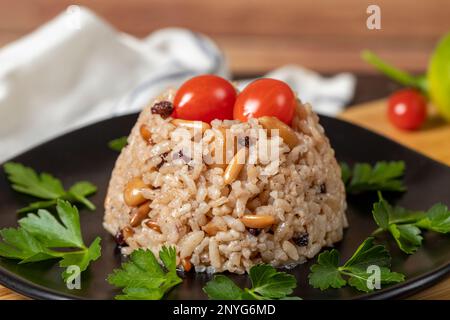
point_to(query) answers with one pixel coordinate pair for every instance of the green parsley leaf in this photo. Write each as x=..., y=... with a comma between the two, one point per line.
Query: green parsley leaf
x=407, y=236
x=20, y=245
x=167, y=254
x=26, y=180
x=51, y=232
x=346, y=172
x=142, y=277
x=405, y=225
x=381, y=214
x=118, y=144
x=436, y=219
x=360, y=277
x=402, y=215
x=384, y=176
x=81, y=259
x=267, y=283
x=45, y=186
x=37, y=205
x=39, y=236
x=80, y=190
x=368, y=254
x=327, y=272
x=222, y=288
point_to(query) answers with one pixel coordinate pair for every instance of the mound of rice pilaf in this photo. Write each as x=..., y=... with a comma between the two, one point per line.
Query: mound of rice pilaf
x=298, y=194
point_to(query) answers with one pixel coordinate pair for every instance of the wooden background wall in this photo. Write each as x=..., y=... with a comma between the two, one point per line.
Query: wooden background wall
x=258, y=35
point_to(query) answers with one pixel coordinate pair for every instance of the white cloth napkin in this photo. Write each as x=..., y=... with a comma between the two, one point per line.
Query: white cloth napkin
x=77, y=69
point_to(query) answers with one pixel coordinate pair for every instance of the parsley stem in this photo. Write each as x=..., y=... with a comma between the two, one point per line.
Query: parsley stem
x=253, y=294
x=394, y=73
x=350, y=274
x=377, y=231
x=60, y=254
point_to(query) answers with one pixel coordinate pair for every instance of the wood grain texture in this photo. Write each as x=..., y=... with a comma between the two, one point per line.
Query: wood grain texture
x=259, y=35
x=433, y=140
x=6, y=294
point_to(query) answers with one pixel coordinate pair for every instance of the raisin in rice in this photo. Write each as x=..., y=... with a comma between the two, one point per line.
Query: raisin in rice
x=302, y=240
x=163, y=108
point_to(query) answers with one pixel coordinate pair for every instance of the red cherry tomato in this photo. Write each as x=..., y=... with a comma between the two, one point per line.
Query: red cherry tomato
x=407, y=109
x=205, y=98
x=265, y=97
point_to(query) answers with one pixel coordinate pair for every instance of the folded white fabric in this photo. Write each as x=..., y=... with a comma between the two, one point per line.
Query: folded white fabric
x=66, y=75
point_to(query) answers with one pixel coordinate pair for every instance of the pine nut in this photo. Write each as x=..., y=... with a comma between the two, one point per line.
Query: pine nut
x=140, y=214
x=286, y=133
x=153, y=225
x=235, y=166
x=132, y=193
x=186, y=264
x=257, y=221
x=127, y=232
x=194, y=125
x=145, y=133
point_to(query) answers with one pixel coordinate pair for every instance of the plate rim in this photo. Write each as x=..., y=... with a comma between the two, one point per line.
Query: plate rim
x=33, y=290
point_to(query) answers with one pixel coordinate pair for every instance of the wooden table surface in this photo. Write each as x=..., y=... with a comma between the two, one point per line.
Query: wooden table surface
x=259, y=35
x=433, y=140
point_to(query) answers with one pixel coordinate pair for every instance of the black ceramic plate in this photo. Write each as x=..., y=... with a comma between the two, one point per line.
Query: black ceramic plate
x=84, y=155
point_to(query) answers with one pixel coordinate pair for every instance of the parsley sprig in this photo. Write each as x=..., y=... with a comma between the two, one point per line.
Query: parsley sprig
x=328, y=272
x=47, y=187
x=40, y=235
x=405, y=225
x=383, y=176
x=118, y=144
x=267, y=284
x=143, y=278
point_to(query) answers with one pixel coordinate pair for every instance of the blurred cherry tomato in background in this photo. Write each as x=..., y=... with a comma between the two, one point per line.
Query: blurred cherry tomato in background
x=407, y=109
x=265, y=97
x=205, y=98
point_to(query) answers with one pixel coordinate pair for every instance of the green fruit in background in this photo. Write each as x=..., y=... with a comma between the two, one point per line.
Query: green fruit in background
x=438, y=77
x=435, y=85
